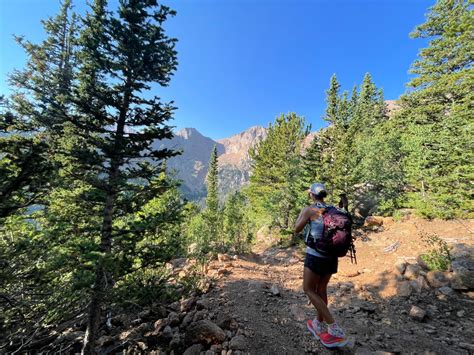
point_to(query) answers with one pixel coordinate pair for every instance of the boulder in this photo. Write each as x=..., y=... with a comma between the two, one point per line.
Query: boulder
x=204, y=331
x=412, y=271
x=400, y=266
x=437, y=279
x=463, y=274
x=419, y=284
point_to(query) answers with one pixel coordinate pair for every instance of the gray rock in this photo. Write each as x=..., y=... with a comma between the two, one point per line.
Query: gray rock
x=199, y=315
x=238, y=342
x=204, y=331
x=400, y=266
x=173, y=319
x=188, y=319
x=202, y=304
x=419, y=284
x=463, y=273
x=193, y=350
x=437, y=279
x=417, y=313
x=445, y=290
x=404, y=289
x=161, y=323
x=168, y=332
x=274, y=290
x=225, y=321
x=187, y=304
x=412, y=271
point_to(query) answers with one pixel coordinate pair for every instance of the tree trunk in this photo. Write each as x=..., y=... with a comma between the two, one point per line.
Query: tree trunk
x=101, y=280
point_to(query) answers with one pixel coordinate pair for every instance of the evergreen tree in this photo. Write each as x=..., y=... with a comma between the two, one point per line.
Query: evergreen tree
x=274, y=183
x=332, y=100
x=211, y=213
x=29, y=119
x=436, y=118
x=120, y=55
x=212, y=201
x=236, y=224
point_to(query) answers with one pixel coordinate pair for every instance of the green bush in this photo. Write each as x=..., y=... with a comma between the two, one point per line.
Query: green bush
x=438, y=257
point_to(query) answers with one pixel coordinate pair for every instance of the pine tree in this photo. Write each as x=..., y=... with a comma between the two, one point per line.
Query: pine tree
x=275, y=181
x=120, y=55
x=332, y=100
x=212, y=201
x=29, y=119
x=436, y=118
x=211, y=213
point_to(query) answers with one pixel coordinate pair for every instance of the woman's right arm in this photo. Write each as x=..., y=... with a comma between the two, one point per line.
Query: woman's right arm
x=303, y=218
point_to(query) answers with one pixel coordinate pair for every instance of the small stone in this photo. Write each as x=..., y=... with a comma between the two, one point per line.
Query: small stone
x=460, y=313
x=204, y=331
x=412, y=271
x=161, y=323
x=373, y=221
x=404, y=289
x=217, y=348
x=168, y=332
x=238, y=342
x=173, y=319
x=274, y=290
x=436, y=279
x=223, y=257
x=400, y=266
x=202, y=304
x=448, y=291
x=419, y=284
x=417, y=313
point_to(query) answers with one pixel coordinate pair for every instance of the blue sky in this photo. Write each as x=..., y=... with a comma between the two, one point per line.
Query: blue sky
x=243, y=62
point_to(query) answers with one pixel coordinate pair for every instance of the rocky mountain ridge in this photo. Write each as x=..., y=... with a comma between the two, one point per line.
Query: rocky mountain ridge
x=191, y=166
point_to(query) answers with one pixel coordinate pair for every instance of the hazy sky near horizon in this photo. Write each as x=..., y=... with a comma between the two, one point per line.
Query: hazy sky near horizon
x=243, y=62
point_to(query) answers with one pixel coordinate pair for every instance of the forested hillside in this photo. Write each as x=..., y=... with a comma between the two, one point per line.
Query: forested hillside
x=91, y=218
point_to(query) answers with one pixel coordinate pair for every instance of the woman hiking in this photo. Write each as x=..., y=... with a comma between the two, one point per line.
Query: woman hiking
x=318, y=269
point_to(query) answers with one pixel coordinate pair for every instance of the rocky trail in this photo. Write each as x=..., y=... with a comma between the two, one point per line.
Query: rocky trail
x=388, y=303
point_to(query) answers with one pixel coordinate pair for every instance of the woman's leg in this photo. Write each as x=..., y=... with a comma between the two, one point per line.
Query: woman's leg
x=310, y=285
x=322, y=291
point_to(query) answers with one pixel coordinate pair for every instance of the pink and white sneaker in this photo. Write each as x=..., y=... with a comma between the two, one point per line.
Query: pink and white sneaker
x=334, y=337
x=315, y=327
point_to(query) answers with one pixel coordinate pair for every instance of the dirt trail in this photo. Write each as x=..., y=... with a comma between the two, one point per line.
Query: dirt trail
x=263, y=292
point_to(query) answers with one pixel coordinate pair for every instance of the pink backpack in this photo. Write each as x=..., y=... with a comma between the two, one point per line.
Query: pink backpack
x=337, y=234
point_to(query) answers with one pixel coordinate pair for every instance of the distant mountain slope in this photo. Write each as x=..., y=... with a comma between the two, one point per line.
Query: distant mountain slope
x=234, y=160
x=191, y=166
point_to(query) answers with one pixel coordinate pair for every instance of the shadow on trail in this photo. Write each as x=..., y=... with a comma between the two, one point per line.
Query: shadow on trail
x=273, y=319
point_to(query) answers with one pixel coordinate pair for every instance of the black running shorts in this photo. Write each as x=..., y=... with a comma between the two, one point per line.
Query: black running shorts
x=321, y=266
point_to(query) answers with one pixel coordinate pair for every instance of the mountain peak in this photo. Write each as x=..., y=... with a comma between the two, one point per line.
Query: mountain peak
x=188, y=132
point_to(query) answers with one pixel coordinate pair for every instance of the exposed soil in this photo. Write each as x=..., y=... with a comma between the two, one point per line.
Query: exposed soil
x=263, y=292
